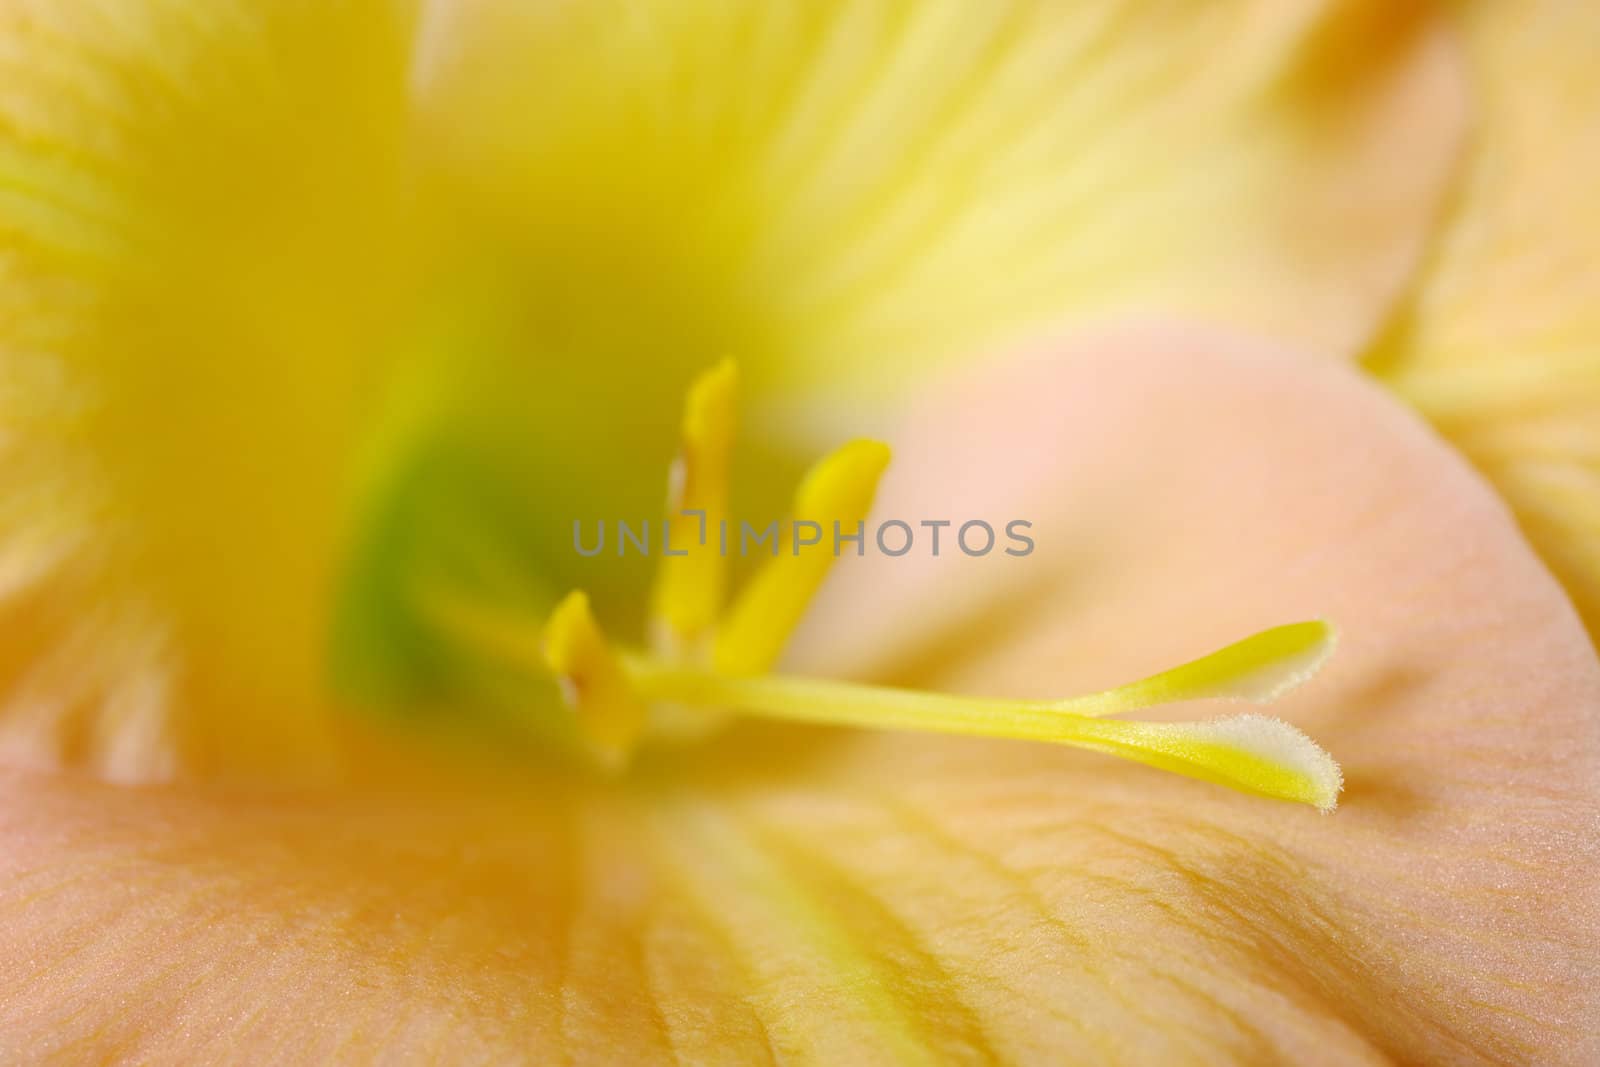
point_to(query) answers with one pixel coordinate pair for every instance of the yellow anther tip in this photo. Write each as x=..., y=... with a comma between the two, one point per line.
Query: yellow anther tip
x=838, y=490
x=845, y=482
x=570, y=629
x=690, y=585
x=864, y=455
x=1279, y=760
x=610, y=716
x=708, y=411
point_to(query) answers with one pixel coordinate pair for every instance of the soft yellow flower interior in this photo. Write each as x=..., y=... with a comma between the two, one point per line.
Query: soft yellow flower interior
x=304, y=304
x=266, y=371
x=860, y=187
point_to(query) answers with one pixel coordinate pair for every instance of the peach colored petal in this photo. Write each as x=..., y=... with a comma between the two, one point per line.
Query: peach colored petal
x=1183, y=490
x=829, y=897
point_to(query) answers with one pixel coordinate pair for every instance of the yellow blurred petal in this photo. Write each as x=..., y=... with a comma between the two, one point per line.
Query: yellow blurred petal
x=838, y=182
x=253, y=395
x=201, y=246
x=1501, y=348
x=822, y=896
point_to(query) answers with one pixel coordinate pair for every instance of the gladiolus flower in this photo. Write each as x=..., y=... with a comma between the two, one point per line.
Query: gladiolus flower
x=321, y=324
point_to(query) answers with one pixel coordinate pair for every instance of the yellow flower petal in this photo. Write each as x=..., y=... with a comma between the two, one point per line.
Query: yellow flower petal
x=838, y=182
x=1502, y=346
x=202, y=244
x=824, y=896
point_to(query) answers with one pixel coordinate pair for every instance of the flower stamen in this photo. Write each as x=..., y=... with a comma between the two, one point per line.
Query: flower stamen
x=706, y=664
x=690, y=587
x=594, y=684
x=834, y=497
x=1252, y=753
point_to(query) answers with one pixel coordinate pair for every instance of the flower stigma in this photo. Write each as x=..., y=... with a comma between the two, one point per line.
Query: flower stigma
x=711, y=657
